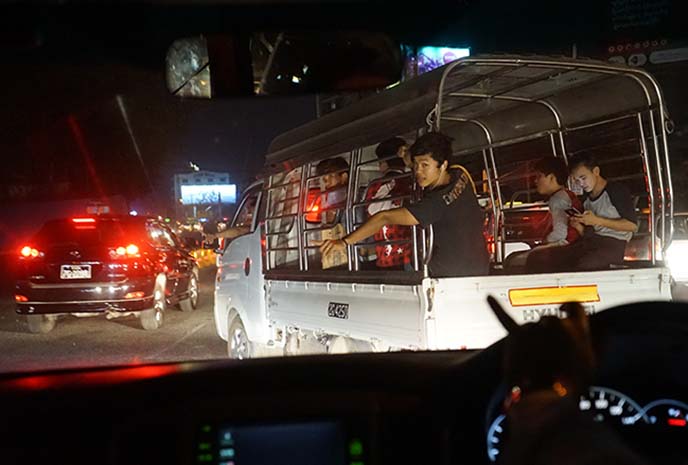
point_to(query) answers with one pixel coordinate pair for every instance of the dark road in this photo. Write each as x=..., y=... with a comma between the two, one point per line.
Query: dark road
x=96, y=341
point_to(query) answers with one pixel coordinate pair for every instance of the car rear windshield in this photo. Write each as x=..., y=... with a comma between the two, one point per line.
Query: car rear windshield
x=101, y=231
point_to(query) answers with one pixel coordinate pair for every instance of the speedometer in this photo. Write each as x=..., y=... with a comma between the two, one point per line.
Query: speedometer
x=610, y=406
x=494, y=437
x=604, y=404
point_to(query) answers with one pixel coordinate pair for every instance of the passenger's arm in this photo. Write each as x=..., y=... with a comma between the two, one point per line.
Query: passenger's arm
x=577, y=225
x=397, y=216
x=560, y=220
x=229, y=233
x=588, y=218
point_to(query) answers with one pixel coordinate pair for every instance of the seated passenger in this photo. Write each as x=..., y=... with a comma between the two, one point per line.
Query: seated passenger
x=391, y=256
x=551, y=176
x=448, y=205
x=606, y=225
x=335, y=182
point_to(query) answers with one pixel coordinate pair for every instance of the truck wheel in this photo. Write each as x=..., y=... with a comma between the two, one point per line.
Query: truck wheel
x=190, y=303
x=41, y=324
x=152, y=318
x=239, y=346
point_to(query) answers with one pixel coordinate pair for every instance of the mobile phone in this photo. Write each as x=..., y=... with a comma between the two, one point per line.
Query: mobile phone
x=572, y=212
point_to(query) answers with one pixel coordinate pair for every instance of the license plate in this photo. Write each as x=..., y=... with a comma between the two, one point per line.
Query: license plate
x=75, y=272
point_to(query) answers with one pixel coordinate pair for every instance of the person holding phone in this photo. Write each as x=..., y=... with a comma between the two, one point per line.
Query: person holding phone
x=550, y=181
x=606, y=224
x=551, y=175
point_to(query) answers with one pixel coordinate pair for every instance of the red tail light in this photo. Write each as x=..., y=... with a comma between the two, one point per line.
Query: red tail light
x=29, y=252
x=84, y=223
x=129, y=251
x=20, y=298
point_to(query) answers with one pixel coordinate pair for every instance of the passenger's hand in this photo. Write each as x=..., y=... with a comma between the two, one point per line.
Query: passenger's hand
x=330, y=246
x=588, y=218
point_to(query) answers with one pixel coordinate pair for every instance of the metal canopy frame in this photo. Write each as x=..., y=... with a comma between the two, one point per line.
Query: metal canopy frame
x=619, y=92
x=496, y=101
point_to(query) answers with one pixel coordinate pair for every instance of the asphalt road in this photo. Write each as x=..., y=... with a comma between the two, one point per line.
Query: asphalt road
x=96, y=341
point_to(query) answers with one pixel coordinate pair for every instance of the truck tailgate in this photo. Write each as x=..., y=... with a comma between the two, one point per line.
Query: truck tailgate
x=460, y=317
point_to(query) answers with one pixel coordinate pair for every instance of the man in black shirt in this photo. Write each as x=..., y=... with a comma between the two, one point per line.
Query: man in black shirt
x=448, y=205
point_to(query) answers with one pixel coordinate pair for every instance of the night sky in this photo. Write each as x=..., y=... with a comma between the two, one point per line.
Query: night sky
x=229, y=135
x=66, y=76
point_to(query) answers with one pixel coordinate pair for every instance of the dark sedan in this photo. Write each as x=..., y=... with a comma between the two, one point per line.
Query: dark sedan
x=117, y=265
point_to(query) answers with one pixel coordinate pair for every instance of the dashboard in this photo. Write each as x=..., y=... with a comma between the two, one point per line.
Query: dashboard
x=357, y=409
x=655, y=427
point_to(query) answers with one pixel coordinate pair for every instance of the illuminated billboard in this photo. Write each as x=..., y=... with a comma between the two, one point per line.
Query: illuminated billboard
x=208, y=194
x=430, y=58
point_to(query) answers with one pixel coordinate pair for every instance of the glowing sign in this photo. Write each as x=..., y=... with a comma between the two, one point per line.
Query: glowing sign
x=208, y=194
x=430, y=58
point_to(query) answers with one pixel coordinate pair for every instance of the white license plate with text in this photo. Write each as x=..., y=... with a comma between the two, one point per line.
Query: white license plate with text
x=75, y=272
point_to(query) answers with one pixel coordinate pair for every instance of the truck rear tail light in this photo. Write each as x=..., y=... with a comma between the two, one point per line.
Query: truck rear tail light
x=134, y=295
x=20, y=298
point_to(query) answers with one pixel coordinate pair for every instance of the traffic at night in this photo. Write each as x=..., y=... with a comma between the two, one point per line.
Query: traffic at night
x=333, y=233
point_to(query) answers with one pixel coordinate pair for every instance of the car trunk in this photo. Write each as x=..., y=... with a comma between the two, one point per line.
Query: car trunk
x=81, y=252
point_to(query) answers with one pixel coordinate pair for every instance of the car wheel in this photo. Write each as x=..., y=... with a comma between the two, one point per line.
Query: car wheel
x=239, y=346
x=41, y=324
x=191, y=302
x=152, y=318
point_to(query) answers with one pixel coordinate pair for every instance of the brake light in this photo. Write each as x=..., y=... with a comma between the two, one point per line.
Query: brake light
x=29, y=252
x=129, y=251
x=20, y=298
x=83, y=220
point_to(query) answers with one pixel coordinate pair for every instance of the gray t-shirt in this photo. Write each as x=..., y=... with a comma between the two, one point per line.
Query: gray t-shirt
x=558, y=203
x=614, y=202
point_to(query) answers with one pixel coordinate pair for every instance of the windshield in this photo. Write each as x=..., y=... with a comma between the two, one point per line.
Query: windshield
x=137, y=226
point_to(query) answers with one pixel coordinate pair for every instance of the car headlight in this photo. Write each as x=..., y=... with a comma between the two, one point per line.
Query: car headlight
x=677, y=257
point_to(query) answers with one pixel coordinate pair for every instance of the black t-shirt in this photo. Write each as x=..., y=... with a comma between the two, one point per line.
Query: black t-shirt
x=457, y=222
